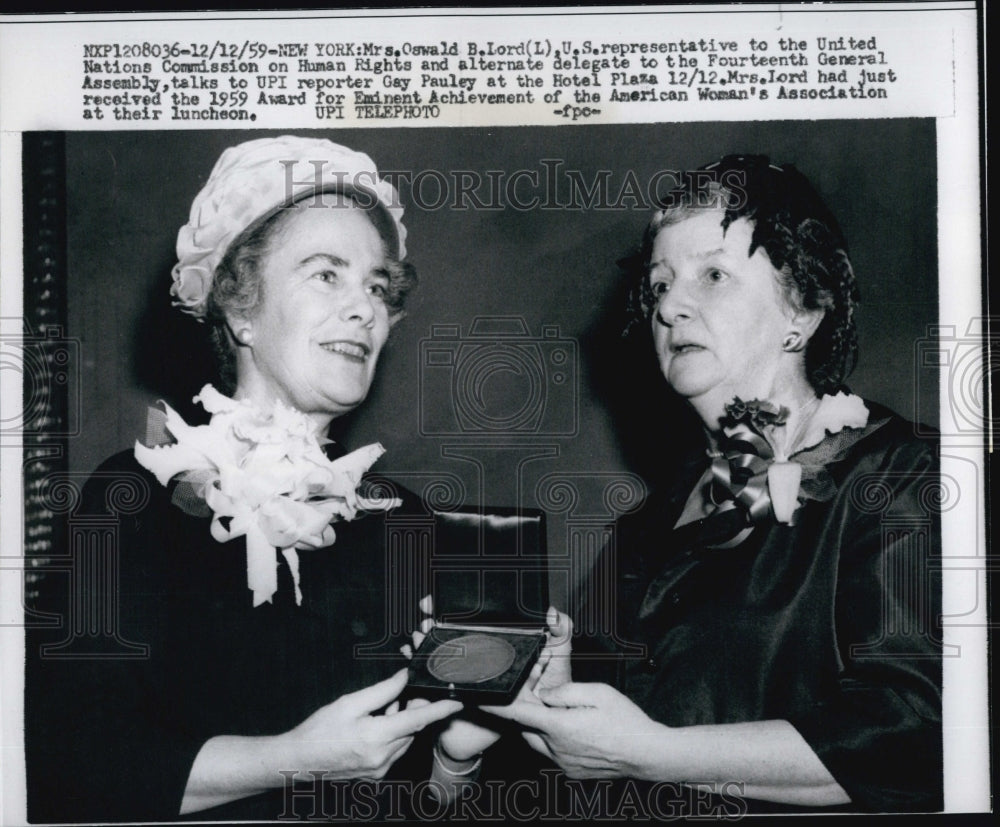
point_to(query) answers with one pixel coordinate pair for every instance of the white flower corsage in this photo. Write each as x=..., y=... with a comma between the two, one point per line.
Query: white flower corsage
x=784, y=475
x=265, y=476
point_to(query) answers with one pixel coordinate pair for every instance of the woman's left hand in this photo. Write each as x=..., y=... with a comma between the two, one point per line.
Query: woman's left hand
x=591, y=730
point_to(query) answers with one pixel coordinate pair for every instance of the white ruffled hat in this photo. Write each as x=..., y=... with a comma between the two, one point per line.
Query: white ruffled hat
x=251, y=181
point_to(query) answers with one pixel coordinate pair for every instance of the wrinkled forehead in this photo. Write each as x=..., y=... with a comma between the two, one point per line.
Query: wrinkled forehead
x=345, y=224
x=694, y=199
x=329, y=209
x=698, y=233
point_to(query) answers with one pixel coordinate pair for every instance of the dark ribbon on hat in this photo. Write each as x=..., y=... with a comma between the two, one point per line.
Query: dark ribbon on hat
x=739, y=481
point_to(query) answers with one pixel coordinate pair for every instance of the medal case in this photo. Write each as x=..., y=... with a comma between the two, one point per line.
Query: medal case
x=489, y=582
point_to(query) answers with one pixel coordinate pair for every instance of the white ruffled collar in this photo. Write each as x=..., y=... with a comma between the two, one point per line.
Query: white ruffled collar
x=833, y=414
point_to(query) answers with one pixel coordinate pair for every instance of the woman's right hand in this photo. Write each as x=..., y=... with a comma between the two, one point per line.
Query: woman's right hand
x=348, y=739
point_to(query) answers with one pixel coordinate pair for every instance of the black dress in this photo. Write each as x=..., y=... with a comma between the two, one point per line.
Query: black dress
x=114, y=737
x=831, y=623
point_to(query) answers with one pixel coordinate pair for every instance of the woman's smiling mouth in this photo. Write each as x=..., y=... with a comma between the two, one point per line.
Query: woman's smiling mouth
x=352, y=350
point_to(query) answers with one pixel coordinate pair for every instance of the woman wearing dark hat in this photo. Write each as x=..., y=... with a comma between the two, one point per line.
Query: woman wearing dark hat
x=780, y=586
x=269, y=668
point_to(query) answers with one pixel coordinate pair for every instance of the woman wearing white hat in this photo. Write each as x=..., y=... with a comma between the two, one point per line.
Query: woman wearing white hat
x=256, y=623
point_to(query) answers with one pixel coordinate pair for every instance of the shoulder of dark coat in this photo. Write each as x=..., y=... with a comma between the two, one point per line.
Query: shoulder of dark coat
x=887, y=439
x=894, y=436
x=120, y=484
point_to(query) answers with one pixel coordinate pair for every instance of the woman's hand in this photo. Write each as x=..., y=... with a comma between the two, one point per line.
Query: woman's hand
x=463, y=740
x=348, y=739
x=591, y=730
x=344, y=739
x=555, y=657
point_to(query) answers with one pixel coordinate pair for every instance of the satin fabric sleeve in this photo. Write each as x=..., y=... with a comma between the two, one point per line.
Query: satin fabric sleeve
x=878, y=729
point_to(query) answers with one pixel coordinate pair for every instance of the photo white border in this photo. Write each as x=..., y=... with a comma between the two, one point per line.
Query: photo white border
x=46, y=49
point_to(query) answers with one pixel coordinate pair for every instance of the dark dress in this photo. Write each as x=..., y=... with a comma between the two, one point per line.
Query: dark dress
x=831, y=623
x=114, y=737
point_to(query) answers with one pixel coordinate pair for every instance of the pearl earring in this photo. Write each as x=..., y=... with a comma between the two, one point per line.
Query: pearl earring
x=243, y=336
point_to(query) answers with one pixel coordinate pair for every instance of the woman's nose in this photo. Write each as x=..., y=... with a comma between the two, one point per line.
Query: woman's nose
x=675, y=305
x=357, y=304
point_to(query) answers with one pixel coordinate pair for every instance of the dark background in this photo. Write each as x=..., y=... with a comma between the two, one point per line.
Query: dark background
x=128, y=193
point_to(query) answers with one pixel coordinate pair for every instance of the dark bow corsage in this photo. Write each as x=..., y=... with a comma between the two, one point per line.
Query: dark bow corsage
x=831, y=415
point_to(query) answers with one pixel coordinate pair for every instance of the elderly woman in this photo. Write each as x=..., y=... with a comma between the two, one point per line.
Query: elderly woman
x=261, y=672
x=779, y=588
